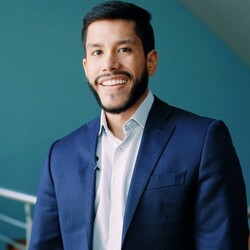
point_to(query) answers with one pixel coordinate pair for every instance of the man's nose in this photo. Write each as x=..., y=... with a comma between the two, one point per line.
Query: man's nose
x=111, y=62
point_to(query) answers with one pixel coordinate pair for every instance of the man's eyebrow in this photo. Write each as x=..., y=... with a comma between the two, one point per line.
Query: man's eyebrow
x=126, y=41
x=93, y=45
x=123, y=41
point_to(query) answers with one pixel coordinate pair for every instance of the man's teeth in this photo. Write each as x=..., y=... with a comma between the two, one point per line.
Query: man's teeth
x=113, y=82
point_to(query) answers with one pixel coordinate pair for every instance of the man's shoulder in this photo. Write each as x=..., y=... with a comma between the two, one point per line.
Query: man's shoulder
x=178, y=114
x=84, y=134
x=92, y=125
x=188, y=124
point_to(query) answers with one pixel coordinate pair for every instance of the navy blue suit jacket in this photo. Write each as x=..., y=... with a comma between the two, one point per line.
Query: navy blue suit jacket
x=187, y=190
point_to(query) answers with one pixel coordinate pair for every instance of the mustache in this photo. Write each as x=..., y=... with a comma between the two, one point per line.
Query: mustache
x=116, y=72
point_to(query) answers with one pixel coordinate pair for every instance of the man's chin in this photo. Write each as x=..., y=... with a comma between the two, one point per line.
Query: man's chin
x=115, y=106
x=114, y=110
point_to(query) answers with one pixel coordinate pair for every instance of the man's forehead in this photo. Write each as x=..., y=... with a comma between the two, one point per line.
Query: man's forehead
x=122, y=31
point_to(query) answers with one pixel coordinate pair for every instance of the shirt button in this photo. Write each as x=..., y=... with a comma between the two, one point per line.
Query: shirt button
x=117, y=180
x=121, y=148
x=116, y=216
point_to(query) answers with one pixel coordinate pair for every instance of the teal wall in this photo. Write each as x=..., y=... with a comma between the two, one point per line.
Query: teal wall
x=44, y=96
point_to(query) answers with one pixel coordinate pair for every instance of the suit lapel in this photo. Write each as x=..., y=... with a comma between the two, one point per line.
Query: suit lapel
x=155, y=137
x=87, y=142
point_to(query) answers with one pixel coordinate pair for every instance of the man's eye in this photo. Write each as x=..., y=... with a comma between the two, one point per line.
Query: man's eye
x=124, y=50
x=96, y=53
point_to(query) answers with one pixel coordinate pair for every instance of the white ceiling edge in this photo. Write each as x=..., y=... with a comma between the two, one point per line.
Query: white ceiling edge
x=229, y=19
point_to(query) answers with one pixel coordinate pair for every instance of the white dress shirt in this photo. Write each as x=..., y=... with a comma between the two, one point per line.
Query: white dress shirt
x=116, y=161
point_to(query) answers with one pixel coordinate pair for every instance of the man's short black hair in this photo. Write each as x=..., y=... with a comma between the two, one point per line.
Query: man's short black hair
x=123, y=10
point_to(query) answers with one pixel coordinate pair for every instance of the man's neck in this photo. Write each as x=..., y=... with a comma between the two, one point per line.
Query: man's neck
x=116, y=122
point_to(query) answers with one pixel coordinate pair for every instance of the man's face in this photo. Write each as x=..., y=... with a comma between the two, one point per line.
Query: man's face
x=115, y=65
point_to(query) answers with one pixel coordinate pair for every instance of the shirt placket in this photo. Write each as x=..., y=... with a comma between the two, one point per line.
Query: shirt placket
x=116, y=199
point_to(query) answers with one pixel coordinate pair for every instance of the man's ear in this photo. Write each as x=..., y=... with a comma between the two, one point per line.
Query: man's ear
x=152, y=59
x=84, y=65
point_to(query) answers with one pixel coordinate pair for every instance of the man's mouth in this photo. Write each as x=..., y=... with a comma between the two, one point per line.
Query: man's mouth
x=113, y=82
x=115, y=79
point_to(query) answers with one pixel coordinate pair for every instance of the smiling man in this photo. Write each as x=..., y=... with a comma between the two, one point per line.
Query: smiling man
x=143, y=175
x=117, y=69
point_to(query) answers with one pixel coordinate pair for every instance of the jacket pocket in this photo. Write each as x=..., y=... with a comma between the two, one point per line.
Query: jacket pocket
x=166, y=180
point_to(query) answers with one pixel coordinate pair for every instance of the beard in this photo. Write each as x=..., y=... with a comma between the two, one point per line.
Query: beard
x=139, y=88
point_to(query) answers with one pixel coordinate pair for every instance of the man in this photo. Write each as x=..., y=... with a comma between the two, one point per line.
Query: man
x=143, y=175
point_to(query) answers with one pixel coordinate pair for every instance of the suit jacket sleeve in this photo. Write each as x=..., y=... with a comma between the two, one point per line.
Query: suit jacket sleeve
x=46, y=230
x=220, y=207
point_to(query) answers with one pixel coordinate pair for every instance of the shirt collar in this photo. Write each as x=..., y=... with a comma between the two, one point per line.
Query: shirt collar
x=140, y=115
